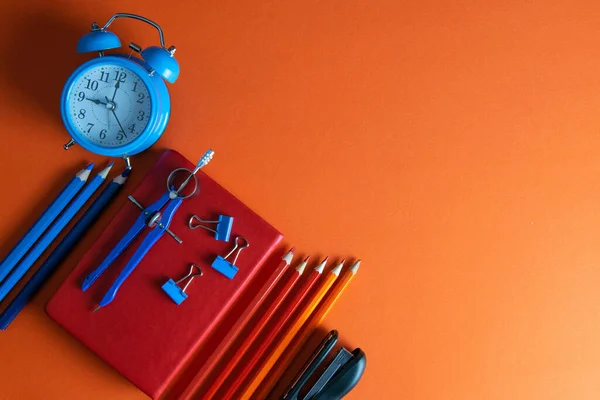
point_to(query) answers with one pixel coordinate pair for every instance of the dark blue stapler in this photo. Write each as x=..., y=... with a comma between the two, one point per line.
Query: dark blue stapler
x=340, y=377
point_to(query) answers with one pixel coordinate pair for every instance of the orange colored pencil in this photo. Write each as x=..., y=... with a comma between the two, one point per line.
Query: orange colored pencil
x=315, y=320
x=261, y=371
x=257, y=328
x=239, y=325
x=287, y=314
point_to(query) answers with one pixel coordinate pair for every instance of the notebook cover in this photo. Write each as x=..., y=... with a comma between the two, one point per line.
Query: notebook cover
x=143, y=334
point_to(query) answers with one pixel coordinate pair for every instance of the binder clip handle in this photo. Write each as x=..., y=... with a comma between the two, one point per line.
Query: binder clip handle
x=196, y=226
x=225, y=267
x=176, y=293
x=222, y=231
x=190, y=276
x=237, y=247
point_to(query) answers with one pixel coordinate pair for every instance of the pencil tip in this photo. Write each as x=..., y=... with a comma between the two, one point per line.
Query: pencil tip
x=355, y=266
x=126, y=173
x=288, y=257
x=84, y=174
x=121, y=179
x=300, y=268
x=337, y=270
x=321, y=267
x=104, y=173
x=97, y=308
x=293, y=249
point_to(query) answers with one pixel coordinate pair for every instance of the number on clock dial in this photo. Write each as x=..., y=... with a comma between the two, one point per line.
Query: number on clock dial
x=91, y=93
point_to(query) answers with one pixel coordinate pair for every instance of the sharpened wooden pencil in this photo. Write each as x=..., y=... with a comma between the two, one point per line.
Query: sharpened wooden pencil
x=300, y=339
x=258, y=372
x=44, y=221
x=273, y=332
x=55, y=229
x=258, y=327
x=62, y=250
x=240, y=324
x=250, y=337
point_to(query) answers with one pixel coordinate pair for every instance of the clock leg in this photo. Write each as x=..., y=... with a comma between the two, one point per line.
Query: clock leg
x=69, y=144
x=127, y=162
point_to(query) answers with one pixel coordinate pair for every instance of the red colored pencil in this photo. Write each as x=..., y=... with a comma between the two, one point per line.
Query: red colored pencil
x=239, y=325
x=256, y=330
x=282, y=363
x=274, y=331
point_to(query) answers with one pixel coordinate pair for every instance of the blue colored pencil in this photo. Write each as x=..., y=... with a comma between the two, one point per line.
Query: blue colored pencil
x=34, y=233
x=52, y=233
x=62, y=250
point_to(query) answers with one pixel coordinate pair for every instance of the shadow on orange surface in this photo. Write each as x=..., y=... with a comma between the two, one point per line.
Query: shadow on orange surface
x=34, y=70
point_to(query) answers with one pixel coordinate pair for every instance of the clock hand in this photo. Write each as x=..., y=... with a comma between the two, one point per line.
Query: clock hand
x=117, y=85
x=111, y=107
x=118, y=122
x=96, y=101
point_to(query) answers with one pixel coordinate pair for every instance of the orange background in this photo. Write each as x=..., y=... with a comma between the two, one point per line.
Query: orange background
x=452, y=145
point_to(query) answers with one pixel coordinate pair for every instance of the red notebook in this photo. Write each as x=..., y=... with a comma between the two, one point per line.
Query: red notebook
x=143, y=334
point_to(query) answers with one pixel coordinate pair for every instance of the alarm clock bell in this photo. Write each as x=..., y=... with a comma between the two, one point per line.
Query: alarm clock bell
x=160, y=58
x=155, y=62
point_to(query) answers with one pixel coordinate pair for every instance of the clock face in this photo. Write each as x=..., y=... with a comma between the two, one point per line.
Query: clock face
x=109, y=105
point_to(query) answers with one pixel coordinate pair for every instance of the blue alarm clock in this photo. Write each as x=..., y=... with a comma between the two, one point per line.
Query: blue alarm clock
x=118, y=105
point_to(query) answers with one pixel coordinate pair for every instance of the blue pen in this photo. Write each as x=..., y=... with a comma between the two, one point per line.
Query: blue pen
x=53, y=210
x=62, y=250
x=52, y=233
